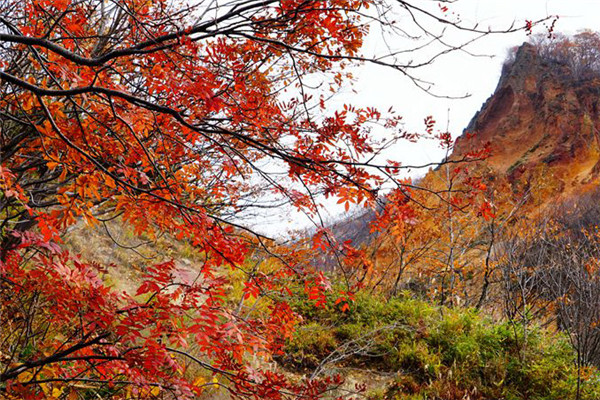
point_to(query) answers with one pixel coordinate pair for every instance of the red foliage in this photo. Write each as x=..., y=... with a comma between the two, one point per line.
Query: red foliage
x=165, y=115
x=138, y=110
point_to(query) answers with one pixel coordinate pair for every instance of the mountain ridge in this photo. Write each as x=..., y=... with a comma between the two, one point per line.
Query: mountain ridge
x=540, y=113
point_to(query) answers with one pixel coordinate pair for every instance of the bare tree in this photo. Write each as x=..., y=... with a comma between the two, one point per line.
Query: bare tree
x=551, y=275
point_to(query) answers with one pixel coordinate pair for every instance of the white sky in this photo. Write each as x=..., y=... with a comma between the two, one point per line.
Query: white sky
x=455, y=74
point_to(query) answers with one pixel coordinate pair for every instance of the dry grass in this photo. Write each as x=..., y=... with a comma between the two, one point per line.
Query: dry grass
x=114, y=245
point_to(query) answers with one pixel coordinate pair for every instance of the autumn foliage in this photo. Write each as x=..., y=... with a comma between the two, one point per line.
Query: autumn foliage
x=141, y=111
x=171, y=118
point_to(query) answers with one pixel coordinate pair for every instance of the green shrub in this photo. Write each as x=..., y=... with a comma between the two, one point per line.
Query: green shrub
x=439, y=353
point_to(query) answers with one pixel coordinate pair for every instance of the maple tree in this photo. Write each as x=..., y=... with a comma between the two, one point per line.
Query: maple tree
x=165, y=115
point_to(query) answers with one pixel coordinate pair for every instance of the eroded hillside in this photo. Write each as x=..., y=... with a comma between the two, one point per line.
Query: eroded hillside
x=540, y=114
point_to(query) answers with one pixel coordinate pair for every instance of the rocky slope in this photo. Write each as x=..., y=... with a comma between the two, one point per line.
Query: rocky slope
x=540, y=114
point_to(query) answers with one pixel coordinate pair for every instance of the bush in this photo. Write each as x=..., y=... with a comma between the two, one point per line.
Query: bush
x=439, y=353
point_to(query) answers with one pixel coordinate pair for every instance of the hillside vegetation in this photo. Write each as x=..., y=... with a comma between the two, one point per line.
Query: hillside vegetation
x=483, y=281
x=488, y=289
x=140, y=139
x=419, y=351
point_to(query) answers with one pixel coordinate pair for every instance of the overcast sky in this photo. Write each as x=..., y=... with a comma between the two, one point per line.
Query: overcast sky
x=456, y=74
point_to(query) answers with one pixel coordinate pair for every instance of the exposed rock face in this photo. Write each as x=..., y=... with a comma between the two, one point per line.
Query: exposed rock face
x=540, y=114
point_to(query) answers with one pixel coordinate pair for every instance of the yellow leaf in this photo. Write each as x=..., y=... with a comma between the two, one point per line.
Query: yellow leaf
x=56, y=392
x=199, y=381
x=24, y=377
x=45, y=388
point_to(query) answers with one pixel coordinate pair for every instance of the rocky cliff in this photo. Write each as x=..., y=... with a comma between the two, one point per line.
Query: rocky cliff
x=541, y=113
